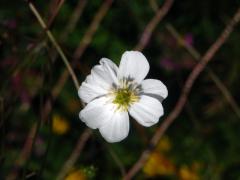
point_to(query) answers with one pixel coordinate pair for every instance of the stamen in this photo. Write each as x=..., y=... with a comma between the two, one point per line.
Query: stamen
x=125, y=95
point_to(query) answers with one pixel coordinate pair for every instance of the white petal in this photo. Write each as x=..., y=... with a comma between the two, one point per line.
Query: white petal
x=97, y=112
x=147, y=111
x=154, y=88
x=88, y=91
x=100, y=80
x=110, y=68
x=133, y=65
x=105, y=74
x=117, y=128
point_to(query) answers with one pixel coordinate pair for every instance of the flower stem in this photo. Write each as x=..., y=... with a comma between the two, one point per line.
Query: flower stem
x=55, y=44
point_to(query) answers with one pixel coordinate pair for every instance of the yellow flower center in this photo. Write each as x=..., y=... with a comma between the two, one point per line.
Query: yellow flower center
x=124, y=97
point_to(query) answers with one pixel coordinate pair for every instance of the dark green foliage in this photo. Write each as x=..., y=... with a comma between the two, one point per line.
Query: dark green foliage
x=206, y=133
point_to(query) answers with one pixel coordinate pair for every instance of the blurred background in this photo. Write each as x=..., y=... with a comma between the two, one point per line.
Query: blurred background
x=40, y=132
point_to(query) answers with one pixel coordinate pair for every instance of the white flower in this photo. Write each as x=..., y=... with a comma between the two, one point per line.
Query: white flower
x=111, y=93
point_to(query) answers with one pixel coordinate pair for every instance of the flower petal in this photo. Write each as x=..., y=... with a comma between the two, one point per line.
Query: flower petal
x=88, y=91
x=154, y=88
x=100, y=80
x=110, y=68
x=117, y=128
x=147, y=111
x=133, y=65
x=97, y=112
x=105, y=74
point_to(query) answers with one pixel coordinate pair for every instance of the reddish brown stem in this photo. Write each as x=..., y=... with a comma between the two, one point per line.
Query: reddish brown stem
x=24, y=154
x=220, y=85
x=147, y=33
x=73, y=19
x=75, y=154
x=184, y=95
x=55, y=6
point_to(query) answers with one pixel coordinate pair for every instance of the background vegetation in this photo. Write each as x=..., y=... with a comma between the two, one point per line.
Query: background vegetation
x=41, y=134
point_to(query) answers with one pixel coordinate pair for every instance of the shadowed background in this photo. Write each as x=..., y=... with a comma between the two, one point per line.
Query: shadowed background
x=41, y=134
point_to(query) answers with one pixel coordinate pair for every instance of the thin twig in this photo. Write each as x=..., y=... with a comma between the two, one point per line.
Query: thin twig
x=160, y=13
x=91, y=30
x=29, y=141
x=25, y=152
x=70, y=27
x=47, y=76
x=84, y=43
x=87, y=39
x=153, y=5
x=116, y=159
x=197, y=56
x=55, y=44
x=56, y=6
x=73, y=19
x=147, y=33
x=32, y=134
x=60, y=83
x=184, y=95
x=75, y=154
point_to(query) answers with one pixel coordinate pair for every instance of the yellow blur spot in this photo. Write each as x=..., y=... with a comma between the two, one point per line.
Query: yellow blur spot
x=164, y=144
x=76, y=175
x=189, y=173
x=158, y=164
x=60, y=125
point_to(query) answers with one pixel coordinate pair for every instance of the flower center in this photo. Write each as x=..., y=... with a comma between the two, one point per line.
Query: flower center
x=124, y=97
